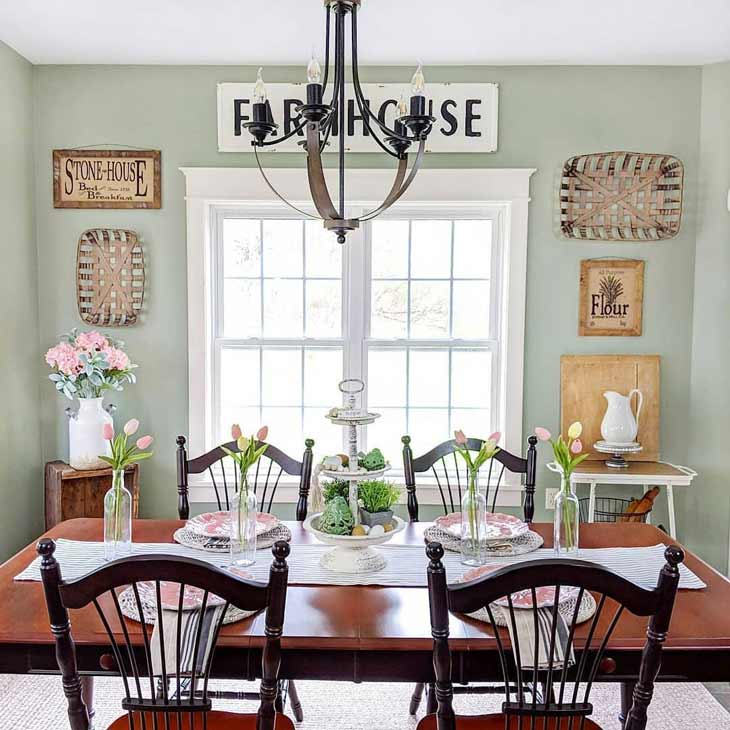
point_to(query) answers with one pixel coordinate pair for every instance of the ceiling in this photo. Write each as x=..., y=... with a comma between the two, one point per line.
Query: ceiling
x=241, y=32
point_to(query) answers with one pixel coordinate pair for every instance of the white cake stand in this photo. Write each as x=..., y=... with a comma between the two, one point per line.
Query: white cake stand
x=617, y=452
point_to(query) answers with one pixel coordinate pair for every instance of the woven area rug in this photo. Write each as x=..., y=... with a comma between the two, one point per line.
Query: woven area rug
x=37, y=703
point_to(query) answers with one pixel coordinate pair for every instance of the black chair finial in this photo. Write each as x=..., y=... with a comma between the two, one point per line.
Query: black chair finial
x=180, y=441
x=406, y=440
x=309, y=443
x=281, y=550
x=435, y=552
x=45, y=548
x=674, y=555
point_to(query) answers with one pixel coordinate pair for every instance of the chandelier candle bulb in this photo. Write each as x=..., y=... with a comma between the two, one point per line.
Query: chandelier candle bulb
x=418, y=93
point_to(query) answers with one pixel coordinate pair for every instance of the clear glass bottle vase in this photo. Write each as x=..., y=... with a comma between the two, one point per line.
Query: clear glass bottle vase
x=243, y=526
x=117, y=518
x=567, y=519
x=473, y=524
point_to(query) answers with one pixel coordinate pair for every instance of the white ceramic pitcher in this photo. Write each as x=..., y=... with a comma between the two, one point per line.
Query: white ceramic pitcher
x=619, y=426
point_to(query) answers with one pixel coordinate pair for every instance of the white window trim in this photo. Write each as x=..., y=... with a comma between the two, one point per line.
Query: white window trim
x=209, y=188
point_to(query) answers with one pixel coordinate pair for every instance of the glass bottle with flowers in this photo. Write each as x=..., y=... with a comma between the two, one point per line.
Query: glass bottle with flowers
x=243, y=509
x=473, y=503
x=85, y=366
x=118, y=500
x=568, y=455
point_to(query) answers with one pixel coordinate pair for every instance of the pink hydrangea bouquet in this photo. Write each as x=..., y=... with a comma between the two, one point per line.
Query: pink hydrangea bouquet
x=85, y=364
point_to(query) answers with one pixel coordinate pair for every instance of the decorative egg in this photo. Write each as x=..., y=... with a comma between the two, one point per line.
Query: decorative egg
x=388, y=527
x=366, y=528
x=358, y=531
x=377, y=531
x=344, y=458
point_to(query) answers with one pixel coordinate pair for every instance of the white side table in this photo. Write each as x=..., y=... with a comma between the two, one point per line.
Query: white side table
x=645, y=474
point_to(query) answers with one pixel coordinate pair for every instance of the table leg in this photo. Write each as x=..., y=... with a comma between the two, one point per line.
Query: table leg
x=592, y=502
x=672, y=519
x=647, y=487
x=627, y=697
x=87, y=693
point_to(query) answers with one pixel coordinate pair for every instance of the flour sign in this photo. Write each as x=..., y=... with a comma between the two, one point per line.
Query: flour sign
x=466, y=116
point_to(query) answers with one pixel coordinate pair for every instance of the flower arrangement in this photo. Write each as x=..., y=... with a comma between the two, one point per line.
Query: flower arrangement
x=568, y=454
x=118, y=501
x=86, y=364
x=248, y=454
x=488, y=450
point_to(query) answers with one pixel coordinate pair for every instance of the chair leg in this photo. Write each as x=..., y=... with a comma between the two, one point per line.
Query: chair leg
x=627, y=698
x=431, y=703
x=296, y=705
x=280, y=701
x=416, y=698
x=87, y=692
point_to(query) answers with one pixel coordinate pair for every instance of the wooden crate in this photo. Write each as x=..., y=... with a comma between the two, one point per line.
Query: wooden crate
x=71, y=493
x=584, y=379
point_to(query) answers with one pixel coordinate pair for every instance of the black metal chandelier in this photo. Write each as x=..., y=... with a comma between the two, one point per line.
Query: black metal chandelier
x=318, y=118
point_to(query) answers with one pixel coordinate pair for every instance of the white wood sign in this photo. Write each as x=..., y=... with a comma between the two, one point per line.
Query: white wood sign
x=466, y=116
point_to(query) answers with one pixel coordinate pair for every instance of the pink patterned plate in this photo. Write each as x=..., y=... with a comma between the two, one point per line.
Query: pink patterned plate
x=499, y=526
x=523, y=599
x=217, y=524
x=170, y=594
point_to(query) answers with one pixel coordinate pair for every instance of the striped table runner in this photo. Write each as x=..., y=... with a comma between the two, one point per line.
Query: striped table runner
x=406, y=563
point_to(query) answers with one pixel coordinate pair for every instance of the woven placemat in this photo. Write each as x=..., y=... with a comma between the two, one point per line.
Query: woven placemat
x=221, y=544
x=128, y=606
x=565, y=608
x=525, y=543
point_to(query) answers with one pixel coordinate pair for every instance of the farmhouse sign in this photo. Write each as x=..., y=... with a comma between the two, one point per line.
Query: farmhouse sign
x=611, y=297
x=106, y=179
x=466, y=116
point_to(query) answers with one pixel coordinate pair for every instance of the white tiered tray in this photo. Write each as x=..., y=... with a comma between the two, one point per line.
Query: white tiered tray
x=351, y=476
x=352, y=553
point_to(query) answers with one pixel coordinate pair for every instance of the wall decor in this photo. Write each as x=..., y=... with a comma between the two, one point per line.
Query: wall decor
x=110, y=277
x=621, y=196
x=585, y=378
x=611, y=297
x=106, y=179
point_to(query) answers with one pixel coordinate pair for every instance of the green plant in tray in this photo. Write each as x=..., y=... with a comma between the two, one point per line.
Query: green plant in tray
x=335, y=488
x=377, y=495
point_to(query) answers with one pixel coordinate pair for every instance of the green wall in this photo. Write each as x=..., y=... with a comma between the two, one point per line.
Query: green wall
x=708, y=506
x=547, y=114
x=20, y=457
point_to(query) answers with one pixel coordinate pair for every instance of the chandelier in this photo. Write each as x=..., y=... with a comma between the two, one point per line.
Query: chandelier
x=325, y=110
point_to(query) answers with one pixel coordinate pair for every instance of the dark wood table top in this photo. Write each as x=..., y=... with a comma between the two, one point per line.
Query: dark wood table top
x=367, y=617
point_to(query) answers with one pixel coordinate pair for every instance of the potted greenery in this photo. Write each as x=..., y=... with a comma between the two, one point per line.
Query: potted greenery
x=376, y=497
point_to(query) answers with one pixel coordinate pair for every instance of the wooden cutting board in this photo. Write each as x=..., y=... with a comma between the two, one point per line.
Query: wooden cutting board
x=584, y=379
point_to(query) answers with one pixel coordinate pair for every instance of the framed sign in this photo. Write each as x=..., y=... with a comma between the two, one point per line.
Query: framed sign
x=611, y=297
x=106, y=179
x=466, y=116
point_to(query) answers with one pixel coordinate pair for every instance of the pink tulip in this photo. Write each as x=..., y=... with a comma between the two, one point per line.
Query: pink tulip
x=107, y=432
x=262, y=433
x=131, y=426
x=460, y=438
x=576, y=447
x=542, y=433
x=236, y=432
x=144, y=443
x=495, y=437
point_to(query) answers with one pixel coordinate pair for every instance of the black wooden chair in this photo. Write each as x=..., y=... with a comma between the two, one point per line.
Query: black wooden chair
x=264, y=477
x=174, y=693
x=452, y=478
x=555, y=696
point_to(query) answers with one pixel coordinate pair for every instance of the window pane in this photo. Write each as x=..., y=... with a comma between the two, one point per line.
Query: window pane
x=472, y=249
x=283, y=248
x=327, y=438
x=428, y=428
x=471, y=310
x=429, y=309
x=389, y=309
x=285, y=429
x=323, y=253
x=474, y=422
x=389, y=249
x=431, y=249
x=324, y=309
x=386, y=433
x=471, y=378
x=241, y=308
x=239, y=385
x=429, y=378
x=386, y=378
x=282, y=308
x=241, y=247
x=281, y=377
x=322, y=373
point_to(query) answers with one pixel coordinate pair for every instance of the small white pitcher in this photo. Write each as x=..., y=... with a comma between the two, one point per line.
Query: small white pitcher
x=619, y=426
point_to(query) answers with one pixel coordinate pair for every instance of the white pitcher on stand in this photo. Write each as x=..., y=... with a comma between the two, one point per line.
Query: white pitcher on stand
x=619, y=425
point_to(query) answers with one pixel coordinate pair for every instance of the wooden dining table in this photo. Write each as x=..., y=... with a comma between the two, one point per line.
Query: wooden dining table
x=370, y=633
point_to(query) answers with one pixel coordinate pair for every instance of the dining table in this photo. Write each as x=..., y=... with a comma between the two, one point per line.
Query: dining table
x=371, y=633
